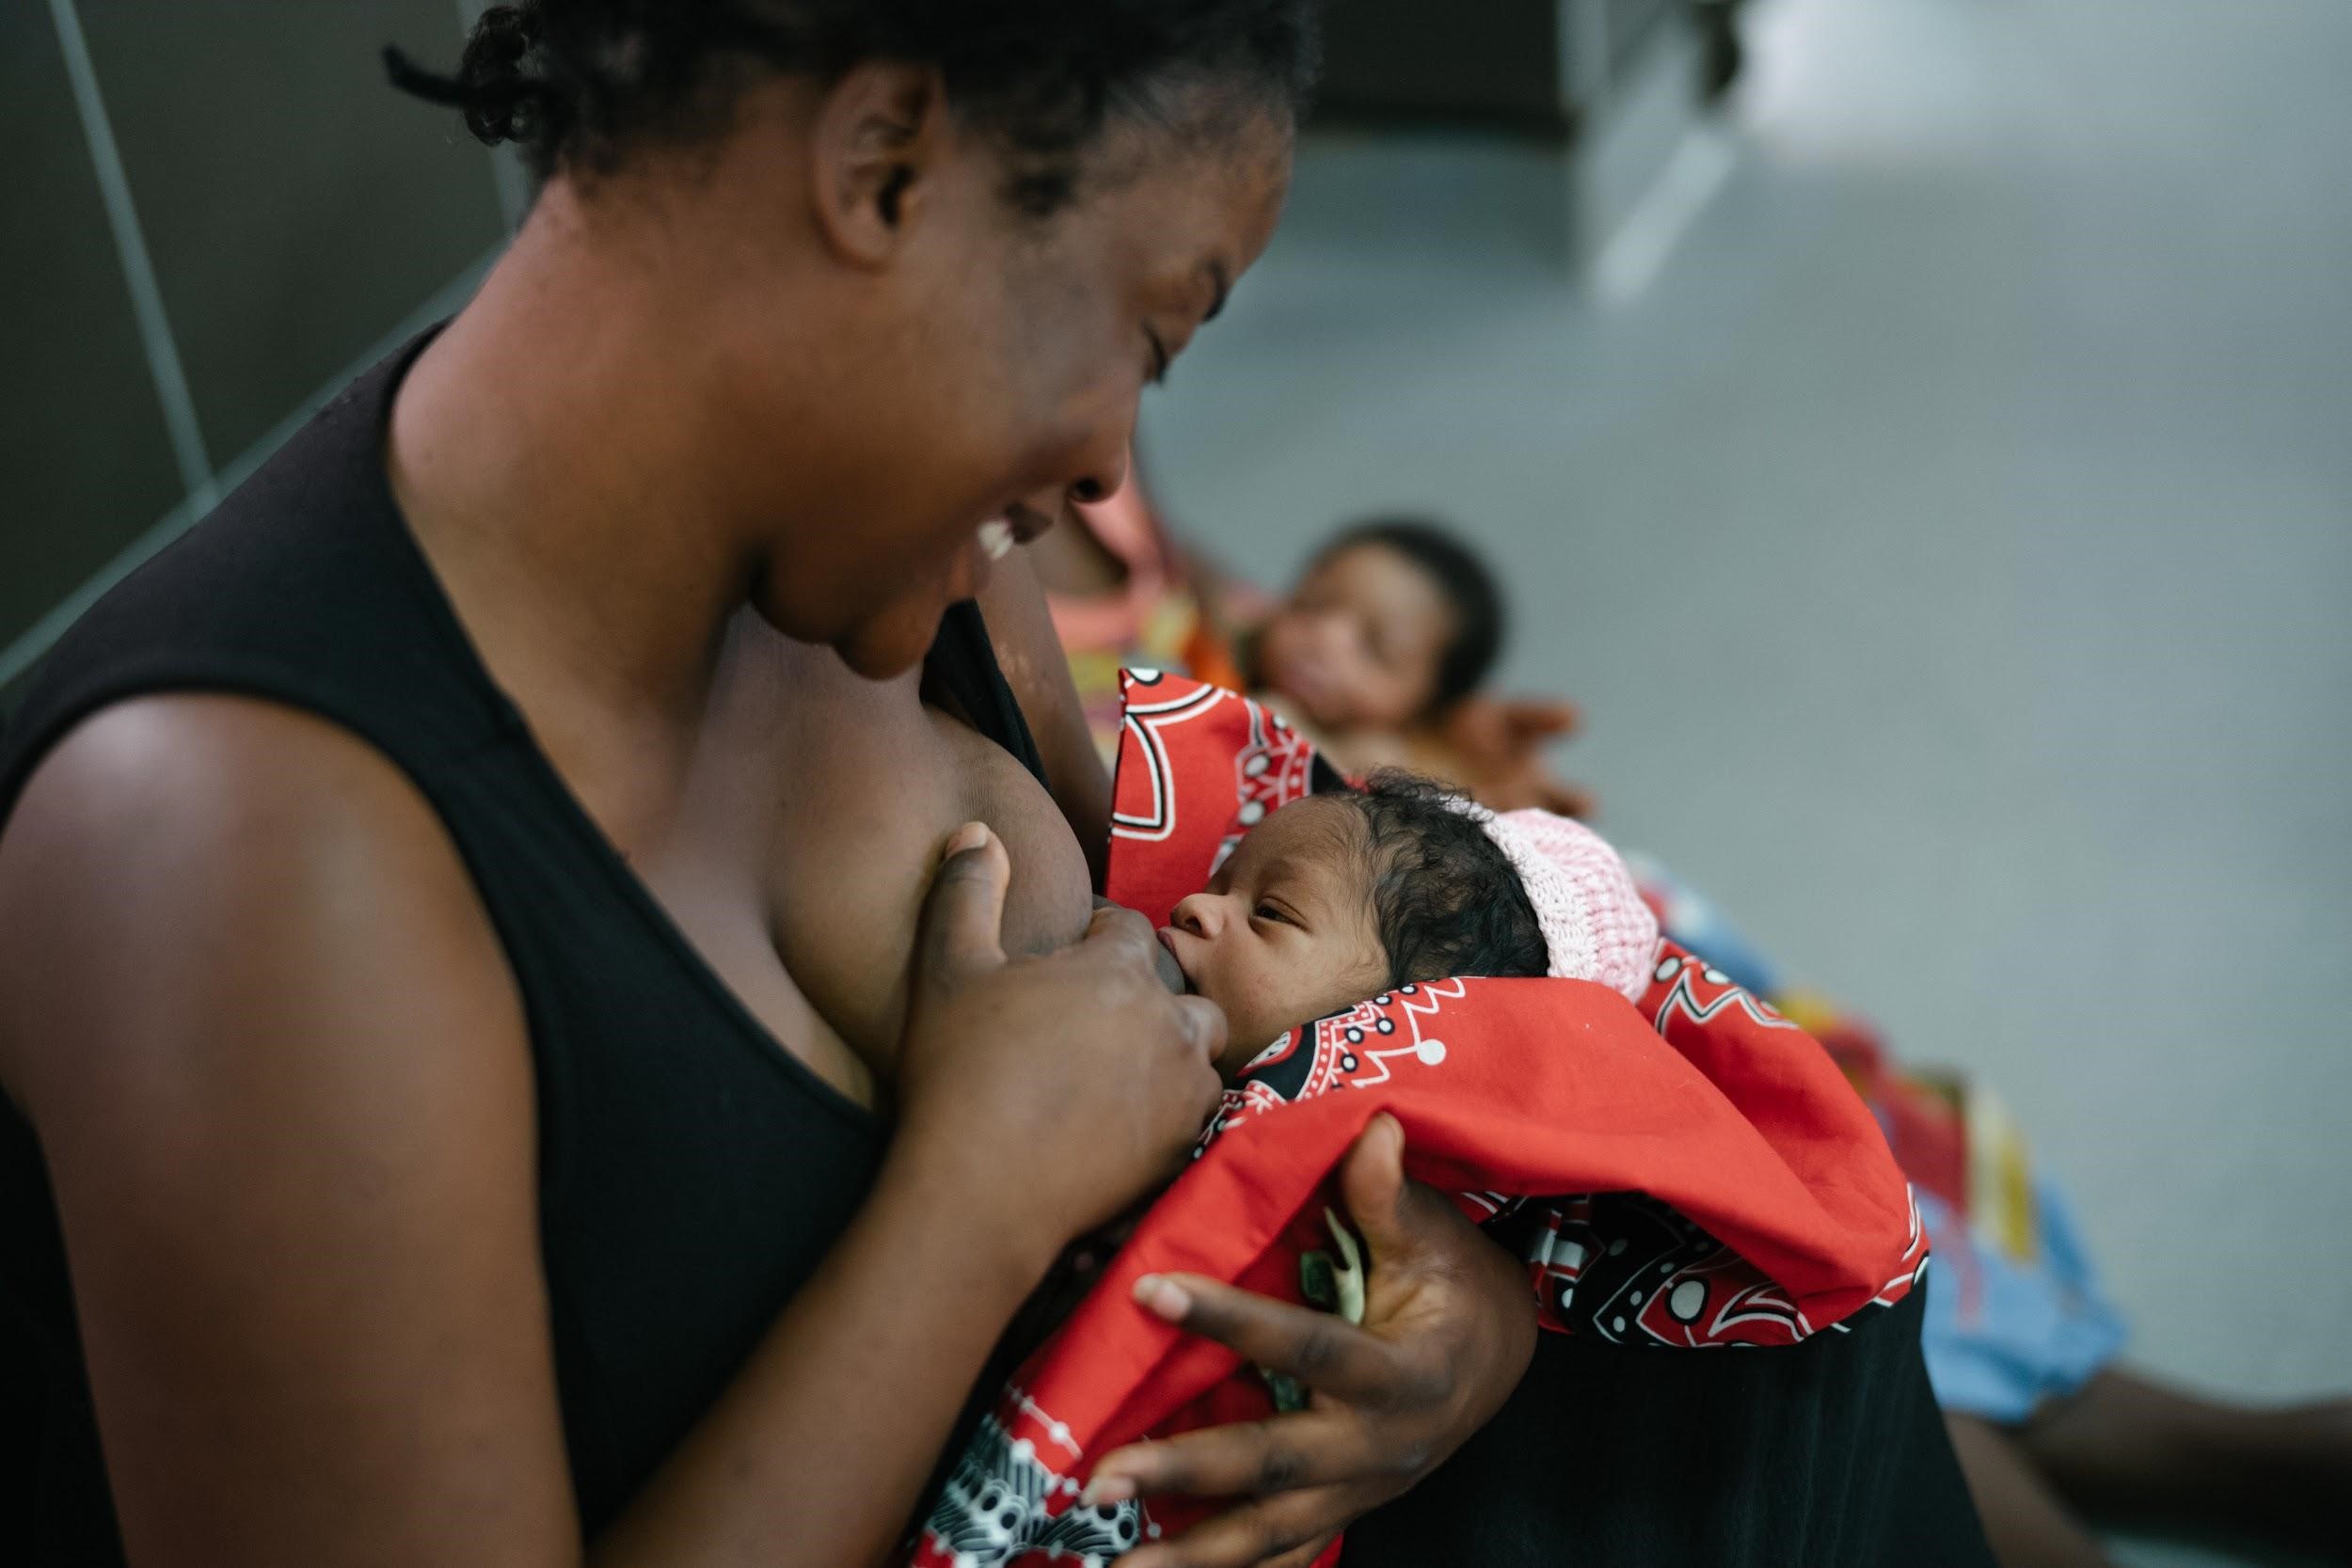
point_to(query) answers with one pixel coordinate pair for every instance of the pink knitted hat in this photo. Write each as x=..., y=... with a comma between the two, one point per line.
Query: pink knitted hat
x=1595, y=923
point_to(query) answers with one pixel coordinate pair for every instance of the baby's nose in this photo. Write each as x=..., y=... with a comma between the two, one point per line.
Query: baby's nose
x=1197, y=913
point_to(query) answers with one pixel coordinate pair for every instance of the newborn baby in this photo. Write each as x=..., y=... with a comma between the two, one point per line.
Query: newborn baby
x=1682, y=1169
x=1336, y=897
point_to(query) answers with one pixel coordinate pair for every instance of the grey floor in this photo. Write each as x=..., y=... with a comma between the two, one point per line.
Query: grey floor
x=1950, y=546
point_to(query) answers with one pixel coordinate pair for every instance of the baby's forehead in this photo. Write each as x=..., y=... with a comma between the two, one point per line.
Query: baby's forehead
x=1322, y=833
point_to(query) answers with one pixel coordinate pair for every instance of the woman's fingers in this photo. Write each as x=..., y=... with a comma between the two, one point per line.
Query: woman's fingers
x=1326, y=1352
x=1280, y=1453
x=1123, y=929
x=1127, y=936
x=1372, y=1182
x=1286, y=1531
x=1305, y=1556
x=963, y=915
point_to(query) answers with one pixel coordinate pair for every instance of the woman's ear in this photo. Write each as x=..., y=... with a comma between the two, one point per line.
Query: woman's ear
x=880, y=133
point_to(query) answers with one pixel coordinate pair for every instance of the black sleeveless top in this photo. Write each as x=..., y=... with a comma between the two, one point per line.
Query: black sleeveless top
x=692, y=1172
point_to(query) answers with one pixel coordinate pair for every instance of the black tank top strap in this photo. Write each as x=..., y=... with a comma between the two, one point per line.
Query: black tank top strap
x=961, y=670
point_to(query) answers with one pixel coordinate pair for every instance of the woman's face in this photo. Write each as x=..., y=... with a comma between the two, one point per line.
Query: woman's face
x=991, y=365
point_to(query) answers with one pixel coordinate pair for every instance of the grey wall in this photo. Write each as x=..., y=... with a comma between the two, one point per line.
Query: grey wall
x=294, y=209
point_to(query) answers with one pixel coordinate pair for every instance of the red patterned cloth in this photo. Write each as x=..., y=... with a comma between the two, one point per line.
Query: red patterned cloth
x=1727, y=1186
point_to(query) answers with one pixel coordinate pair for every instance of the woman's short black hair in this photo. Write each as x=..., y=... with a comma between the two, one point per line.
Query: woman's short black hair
x=1444, y=894
x=1461, y=576
x=578, y=83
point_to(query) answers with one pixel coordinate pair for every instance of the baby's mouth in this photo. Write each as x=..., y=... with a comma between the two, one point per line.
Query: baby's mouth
x=1171, y=972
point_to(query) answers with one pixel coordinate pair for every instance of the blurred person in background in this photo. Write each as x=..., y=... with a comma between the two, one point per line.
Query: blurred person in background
x=1380, y=652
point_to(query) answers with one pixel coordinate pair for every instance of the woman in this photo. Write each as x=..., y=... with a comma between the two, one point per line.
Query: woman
x=417, y=1148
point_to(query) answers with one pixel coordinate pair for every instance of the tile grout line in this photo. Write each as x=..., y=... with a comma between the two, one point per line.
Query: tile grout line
x=197, y=477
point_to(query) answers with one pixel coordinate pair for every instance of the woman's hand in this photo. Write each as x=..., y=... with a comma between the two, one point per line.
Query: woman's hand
x=1077, y=1076
x=1449, y=1326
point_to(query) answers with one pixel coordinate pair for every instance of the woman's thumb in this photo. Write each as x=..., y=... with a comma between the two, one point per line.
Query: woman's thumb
x=963, y=917
x=1372, y=1179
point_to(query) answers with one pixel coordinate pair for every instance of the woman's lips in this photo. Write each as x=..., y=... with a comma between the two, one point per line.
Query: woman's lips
x=1171, y=970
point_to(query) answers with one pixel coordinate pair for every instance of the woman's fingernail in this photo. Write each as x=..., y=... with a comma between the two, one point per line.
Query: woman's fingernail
x=1163, y=1296
x=971, y=835
x=1106, y=1489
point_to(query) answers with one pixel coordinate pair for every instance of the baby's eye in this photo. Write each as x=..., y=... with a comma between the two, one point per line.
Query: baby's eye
x=1267, y=911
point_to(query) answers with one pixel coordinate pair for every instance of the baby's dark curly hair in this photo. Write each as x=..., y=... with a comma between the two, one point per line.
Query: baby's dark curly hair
x=1444, y=894
x=579, y=83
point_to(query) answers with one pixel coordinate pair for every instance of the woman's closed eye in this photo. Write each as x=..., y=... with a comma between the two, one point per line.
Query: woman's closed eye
x=1158, y=377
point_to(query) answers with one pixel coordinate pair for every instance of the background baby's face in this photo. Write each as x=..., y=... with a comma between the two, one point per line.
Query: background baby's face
x=1286, y=931
x=1358, y=643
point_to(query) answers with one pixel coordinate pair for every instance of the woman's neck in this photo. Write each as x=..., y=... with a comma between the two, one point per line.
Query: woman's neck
x=551, y=452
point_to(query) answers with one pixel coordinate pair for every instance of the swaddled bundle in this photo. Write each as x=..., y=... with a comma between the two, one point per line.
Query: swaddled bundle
x=1679, y=1166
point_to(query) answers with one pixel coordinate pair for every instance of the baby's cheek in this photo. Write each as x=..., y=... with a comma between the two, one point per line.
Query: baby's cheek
x=1259, y=1009
x=1304, y=997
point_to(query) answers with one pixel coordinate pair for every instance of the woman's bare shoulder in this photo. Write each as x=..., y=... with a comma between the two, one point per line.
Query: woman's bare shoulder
x=195, y=857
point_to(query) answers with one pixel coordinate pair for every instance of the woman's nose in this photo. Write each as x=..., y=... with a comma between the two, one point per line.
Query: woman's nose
x=1103, y=481
x=1105, y=467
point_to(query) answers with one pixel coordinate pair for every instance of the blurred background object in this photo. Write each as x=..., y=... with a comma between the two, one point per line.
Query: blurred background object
x=1608, y=89
x=1928, y=467
x=215, y=211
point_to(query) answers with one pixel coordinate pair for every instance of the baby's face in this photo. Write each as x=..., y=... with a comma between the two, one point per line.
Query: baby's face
x=1286, y=931
x=1358, y=643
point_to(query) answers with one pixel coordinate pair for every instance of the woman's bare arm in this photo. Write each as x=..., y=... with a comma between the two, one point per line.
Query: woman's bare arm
x=251, y=1004
x=260, y=1021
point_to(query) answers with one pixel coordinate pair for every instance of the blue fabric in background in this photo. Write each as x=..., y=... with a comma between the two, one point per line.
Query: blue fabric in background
x=2002, y=1334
